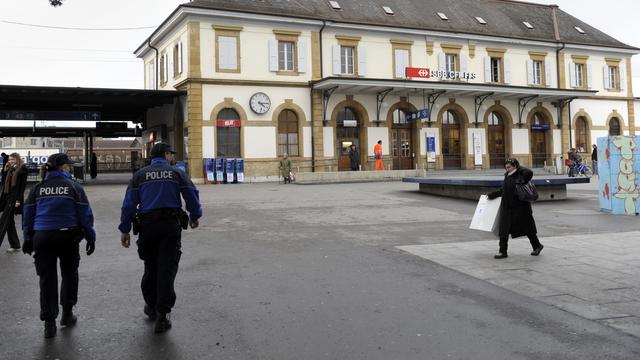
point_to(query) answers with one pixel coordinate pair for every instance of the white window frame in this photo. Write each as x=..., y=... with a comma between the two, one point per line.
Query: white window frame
x=496, y=65
x=613, y=77
x=286, y=57
x=579, y=71
x=227, y=57
x=402, y=58
x=347, y=60
x=450, y=62
x=537, y=72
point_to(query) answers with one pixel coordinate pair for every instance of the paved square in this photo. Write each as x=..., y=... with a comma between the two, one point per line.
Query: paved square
x=592, y=275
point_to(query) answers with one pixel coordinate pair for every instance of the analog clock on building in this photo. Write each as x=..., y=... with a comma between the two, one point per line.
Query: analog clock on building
x=260, y=103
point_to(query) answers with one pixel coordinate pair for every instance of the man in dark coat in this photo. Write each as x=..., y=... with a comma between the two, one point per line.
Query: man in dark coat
x=354, y=158
x=516, y=216
x=93, y=165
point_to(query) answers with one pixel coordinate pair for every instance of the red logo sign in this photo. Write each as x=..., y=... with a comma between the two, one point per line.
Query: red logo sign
x=417, y=72
x=228, y=123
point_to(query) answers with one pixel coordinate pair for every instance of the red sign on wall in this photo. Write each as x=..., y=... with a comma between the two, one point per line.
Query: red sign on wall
x=417, y=72
x=228, y=123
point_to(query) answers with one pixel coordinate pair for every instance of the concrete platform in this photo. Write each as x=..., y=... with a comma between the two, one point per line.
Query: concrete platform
x=550, y=188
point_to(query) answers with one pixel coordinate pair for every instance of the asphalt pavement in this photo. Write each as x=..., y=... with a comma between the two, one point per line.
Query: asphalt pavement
x=319, y=272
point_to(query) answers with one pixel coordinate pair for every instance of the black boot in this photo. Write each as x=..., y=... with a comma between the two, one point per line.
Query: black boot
x=50, y=329
x=537, y=250
x=162, y=324
x=150, y=311
x=500, y=255
x=68, y=319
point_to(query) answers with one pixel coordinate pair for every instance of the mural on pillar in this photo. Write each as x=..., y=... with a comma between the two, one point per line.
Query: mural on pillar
x=619, y=167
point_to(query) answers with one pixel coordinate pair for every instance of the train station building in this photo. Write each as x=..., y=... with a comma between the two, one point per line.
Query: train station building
x=459, y=84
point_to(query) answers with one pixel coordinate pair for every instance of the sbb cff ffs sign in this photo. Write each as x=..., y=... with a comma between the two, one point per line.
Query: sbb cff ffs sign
x=417, y=72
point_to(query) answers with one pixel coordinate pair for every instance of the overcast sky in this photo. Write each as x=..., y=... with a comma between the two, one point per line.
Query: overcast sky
x=52, y=57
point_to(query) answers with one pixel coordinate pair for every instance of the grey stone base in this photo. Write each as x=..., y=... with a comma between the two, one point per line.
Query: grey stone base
x=473, y=192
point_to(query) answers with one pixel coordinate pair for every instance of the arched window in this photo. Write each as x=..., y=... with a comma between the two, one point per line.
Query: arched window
x=228, y=133
x=581, y=134
x=539, y=119
x=288, y=133
x=346, y=114
x=449, y=118
x=495, y=119
x=399, y=117
x=614, y=127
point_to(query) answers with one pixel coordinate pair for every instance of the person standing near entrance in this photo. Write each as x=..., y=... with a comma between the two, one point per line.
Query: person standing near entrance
x=516, y=216
x=354, y=158
x=93, y=165
x=12, y=199
x=377, y=154
x=57, y=216
x=152, y=202
x=285, y=168
x=594, y=159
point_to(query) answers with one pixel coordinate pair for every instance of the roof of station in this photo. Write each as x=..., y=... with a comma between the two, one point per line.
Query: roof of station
x=498, y=18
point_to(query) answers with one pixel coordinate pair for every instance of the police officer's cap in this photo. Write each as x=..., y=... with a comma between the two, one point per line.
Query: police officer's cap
x=160, y=149
x=59, y=159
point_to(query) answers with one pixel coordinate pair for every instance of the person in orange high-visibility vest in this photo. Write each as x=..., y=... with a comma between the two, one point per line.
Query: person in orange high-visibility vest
x=377, y=153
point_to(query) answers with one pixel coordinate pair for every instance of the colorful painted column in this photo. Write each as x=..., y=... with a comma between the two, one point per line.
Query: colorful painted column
x=619, y=168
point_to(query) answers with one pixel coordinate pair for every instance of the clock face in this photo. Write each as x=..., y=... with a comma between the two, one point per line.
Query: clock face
x=260, y=103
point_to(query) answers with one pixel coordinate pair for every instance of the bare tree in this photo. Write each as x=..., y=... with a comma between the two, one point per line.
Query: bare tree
x=55, y=3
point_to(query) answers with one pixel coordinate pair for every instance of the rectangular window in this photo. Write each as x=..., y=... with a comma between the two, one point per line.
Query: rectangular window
x=402, y=62
x=450, y=62
x=346, y=59
x=579, y=75
x=495, y=70
x=151, y=76
x=613, y=77
x=537, y=72
x=163, y=68
x=34, y=142
x=177, y=59
x=286, y=55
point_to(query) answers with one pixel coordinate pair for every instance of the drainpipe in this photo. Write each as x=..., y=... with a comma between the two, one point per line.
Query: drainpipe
x=156, y=80
x=570, y=135
x=313, y=148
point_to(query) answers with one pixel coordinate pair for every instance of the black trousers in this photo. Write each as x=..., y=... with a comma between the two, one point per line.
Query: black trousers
x=504, y=242
x=159, y=247
x=8, y=227
x=49, y=246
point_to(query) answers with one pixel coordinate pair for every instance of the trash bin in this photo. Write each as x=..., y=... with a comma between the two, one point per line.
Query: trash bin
x=239, y=170
x=78, y=171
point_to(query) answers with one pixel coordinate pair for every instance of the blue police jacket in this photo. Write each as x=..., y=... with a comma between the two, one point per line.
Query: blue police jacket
x=58, y=202
x=158, y=186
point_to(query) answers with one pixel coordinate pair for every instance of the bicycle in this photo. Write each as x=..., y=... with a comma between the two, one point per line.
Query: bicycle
x=580, y=168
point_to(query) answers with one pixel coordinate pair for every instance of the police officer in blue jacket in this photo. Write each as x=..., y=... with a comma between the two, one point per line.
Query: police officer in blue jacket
x=56, y=217
x=153, y=202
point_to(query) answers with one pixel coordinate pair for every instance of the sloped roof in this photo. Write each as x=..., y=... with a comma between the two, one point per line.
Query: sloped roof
x=504, y=17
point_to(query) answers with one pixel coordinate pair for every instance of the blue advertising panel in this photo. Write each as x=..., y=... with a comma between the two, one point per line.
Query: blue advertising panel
x=219, y=170
x=415, y=115
x=240, y=170
x=209, y=170
x=229, y=170
x=431, y=148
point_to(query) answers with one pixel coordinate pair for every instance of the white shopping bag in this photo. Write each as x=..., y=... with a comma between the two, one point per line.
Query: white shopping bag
x=486, y=217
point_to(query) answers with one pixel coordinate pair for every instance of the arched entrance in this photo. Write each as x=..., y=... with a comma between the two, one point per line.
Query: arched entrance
x=402, y=145
x=582, y=134
x=288, y=142
x=540, y=139
x=614, y=127
x=496, y=140
x=347, y=133
x=228, y=134
x=451, y=141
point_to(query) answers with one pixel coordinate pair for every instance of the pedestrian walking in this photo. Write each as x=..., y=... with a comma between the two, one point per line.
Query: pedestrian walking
x=377, y=154
x=354, y=158
x=93, y=165
x=152, y=203
x=594, y=159
x=516, y=216
x=5, y=159
x=57, y=216
x=285, y=168
x=12, y=199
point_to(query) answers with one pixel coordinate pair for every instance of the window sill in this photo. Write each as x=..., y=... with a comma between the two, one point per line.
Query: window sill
x=287, y=73
x=229, y=71
x=177, y=76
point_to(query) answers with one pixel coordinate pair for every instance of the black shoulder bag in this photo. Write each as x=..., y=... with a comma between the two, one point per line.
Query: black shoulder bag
x=526, y=191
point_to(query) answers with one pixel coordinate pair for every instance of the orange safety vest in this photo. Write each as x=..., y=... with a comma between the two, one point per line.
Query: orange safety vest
x=377, y=150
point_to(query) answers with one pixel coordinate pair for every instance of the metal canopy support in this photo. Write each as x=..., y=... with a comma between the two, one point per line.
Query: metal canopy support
x=326, y=95
x=379, y=99
x=560, y=105
x=431, y=100
x=479, y=100
x=522, y=104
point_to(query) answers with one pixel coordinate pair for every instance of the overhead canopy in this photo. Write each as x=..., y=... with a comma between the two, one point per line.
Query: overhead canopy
x=453, y=89
x=44, y=103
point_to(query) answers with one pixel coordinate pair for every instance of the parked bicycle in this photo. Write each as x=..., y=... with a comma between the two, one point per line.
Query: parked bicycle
x=579, y=168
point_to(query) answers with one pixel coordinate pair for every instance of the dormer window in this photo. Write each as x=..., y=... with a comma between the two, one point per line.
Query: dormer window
x=527, y=24
x=335, y=5
x=443, y=16
x=579, y=29
x=481, y=20
x=387, y=10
